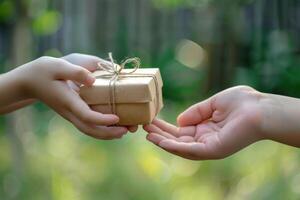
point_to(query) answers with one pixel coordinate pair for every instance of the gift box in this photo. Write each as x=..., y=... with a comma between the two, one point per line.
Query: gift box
x=136, y=97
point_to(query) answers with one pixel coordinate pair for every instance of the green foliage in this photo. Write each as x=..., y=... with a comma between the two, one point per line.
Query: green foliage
x=6, y=10
x=240, y=42
x=47, y=23
x=179, y=3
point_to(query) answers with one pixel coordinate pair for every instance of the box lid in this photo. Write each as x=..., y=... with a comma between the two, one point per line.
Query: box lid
x=138, y=87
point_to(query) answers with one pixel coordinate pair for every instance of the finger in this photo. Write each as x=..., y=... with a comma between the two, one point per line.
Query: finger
x=158, y=139
x=70, y=100
x=87, y=61
x=151, y=128
x=196, y=113
x=194, y=151
x=74, y=86
x=104, y=62
x=155, y=138
x=165, y=126
x=170, y=128
x=186, y=139
x=106, y=133
x=98, y=132
x=132, y=129
x=82, y=110
x=68, y=71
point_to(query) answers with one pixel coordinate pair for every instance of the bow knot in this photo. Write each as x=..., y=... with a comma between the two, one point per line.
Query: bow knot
x=114, y=72
x=115, y=69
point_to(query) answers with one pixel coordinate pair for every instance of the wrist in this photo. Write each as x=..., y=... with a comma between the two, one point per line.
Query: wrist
x=270, y=109
x=18, y=83
x=11, y=88
x=280, y=121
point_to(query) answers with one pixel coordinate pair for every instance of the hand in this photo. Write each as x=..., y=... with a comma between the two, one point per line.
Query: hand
x=214, y=128
x=85, y=61
x=55, y=81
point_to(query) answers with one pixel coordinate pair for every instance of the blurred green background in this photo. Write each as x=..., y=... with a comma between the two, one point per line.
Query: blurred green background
x=201, y=47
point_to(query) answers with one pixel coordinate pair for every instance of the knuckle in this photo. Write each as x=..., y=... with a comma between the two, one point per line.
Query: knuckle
x=244, y=88
x=80, y=72
x=73, y=55
x=59, y=61
x=85, y=117
x=44, y=58
x=69, y=56
x=52, y=60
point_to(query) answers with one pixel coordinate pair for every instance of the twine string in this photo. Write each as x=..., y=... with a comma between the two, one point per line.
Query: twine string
x=115, y=72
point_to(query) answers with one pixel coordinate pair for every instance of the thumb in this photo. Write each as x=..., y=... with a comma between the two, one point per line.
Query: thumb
x=196, y=113
x=69, y=71
x=88, y=62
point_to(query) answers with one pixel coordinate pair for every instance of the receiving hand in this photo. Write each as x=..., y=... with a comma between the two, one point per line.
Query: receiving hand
x=214, y=128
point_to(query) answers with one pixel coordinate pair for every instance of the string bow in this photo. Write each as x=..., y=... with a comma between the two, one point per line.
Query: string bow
x=114, y=72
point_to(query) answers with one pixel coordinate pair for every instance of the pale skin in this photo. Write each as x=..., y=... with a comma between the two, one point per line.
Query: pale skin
x=212, y=129
x=228, y=122
x=55, y=82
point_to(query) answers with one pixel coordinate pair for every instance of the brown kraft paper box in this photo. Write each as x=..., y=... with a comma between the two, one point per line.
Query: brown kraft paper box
x=138, y=96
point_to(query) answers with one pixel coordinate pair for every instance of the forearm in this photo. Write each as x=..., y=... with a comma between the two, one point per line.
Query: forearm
x=16, y=106
x=11, y=89
x=281, y=119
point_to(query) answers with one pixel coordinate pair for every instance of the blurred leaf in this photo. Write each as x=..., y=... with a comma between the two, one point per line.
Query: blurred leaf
x=47, y=23
x=6, y=10
x=179, y=3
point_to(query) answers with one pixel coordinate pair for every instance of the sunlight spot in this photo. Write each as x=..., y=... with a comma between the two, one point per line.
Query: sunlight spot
x=196, y=191
x=295, y=183
x=190, y=54
x=153, y=165
x=246, y=186
x=61, y=142
x=11, y=185
x=184, y=167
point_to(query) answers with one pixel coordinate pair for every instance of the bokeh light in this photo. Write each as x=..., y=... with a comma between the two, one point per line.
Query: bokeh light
x=200, y=46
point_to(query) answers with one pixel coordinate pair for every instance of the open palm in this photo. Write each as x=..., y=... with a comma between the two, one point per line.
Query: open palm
x=214, y=128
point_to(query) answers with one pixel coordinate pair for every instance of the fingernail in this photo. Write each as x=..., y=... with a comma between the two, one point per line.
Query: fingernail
x=178, y=118
x=150, y=137
x=163, y=144
x=115, y=118
x=90, y=80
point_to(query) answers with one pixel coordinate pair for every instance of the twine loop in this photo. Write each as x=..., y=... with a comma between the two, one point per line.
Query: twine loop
x=116, y=71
